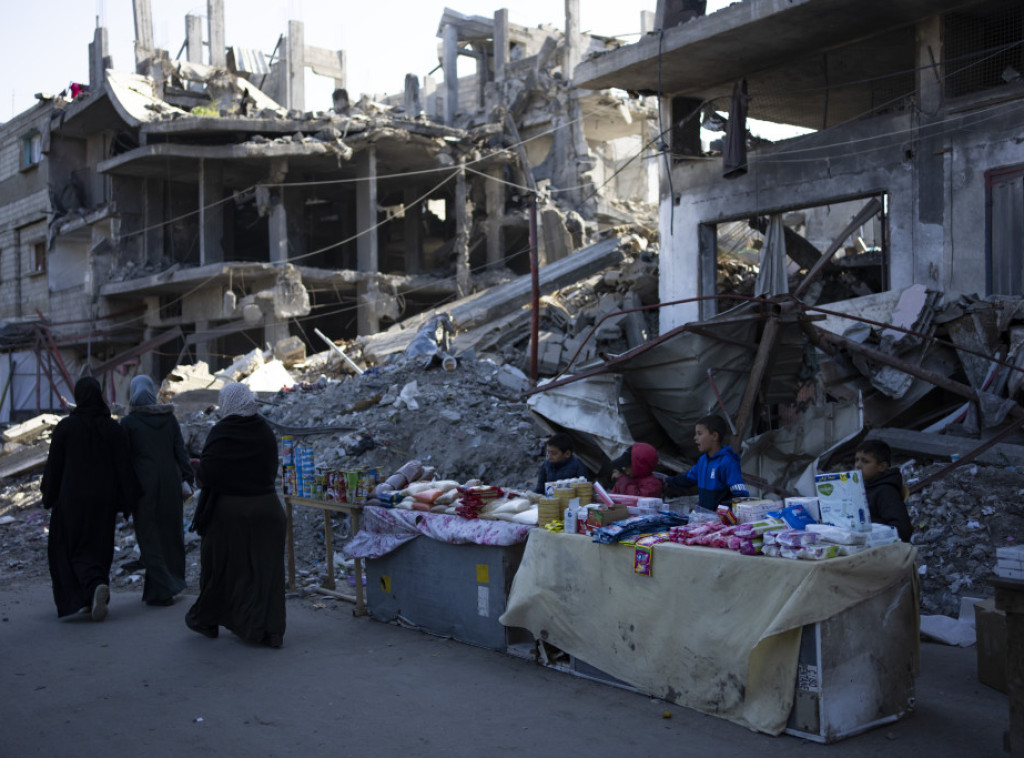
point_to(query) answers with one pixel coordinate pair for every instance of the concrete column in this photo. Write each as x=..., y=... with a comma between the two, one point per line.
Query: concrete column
x=462, y=217
x=274, y=332
x=495, y=193
x=432, y=102
x=211, y=219
x=482, y=74
x=450, y=66
x=295, y=75
x=153, y=216
x=929, y=64
x=367, y=321
x=204, y=348
x=194, y=38
x=143, y=34
x=412, y=231
x=412, y=96
x=572, y=39
x=218, y=48
x=500, y=43
x=277, y=224
x=99, y=55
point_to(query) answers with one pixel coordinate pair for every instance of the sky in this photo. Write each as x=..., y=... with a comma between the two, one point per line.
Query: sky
x=45, y=47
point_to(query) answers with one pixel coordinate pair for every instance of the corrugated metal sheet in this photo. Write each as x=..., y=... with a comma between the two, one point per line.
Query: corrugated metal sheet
x=249, y=61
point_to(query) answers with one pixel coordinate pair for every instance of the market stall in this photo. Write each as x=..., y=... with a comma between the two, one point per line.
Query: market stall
x=327, y=507
x=721, y=632
x=444, y=574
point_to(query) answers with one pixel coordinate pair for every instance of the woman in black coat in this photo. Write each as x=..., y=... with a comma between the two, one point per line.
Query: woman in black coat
x=161, y=464
x=242, y=523
x=86, y=482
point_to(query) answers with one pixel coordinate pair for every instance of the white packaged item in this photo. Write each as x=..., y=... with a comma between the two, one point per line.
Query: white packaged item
x=1010, y=562
x=882, y=534
x=843, y=501
x=750, y=510
x=810, y=504
x=837, y=535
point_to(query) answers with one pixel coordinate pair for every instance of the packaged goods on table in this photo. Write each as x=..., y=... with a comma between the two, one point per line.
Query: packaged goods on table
x=843, y=501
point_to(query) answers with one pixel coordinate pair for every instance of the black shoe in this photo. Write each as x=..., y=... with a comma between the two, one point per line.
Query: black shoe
x=273, y=640
x=206, y=631
x=165, y=602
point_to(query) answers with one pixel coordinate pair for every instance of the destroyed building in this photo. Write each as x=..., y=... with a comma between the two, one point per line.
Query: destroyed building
x=910, y=113
x=197, y=207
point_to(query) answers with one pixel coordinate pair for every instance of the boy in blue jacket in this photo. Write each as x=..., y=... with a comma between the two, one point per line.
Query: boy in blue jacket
x=561, y=462
x=717, y=474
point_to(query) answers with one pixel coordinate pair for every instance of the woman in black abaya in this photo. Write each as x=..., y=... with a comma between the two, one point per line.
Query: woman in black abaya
x=242, y=523
x=87, y=480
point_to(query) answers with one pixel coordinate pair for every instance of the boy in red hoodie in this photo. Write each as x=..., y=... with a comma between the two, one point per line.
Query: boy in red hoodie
x=633, y=472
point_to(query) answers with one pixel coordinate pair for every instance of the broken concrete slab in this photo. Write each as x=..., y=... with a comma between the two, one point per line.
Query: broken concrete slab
x=945, y=446
x=24, y=461
x=188, y=377
x=30, y=430
x=270, y=377
x=483, y=307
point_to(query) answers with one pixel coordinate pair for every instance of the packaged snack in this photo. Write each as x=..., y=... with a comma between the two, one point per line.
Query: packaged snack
x=794, y=515
x=726, y=515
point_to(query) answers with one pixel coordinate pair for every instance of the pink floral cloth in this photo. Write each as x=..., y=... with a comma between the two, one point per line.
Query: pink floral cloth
x=384, y=529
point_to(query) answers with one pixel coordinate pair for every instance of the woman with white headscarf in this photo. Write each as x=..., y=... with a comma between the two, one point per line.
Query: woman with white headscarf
x=242, y=523
x=161, y=465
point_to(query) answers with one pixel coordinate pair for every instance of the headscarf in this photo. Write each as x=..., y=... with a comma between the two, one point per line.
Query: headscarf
x=236, y=399
x=142, y=391
x=89, y=398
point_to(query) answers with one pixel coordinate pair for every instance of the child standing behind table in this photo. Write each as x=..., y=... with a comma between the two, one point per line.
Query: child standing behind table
x=717, y=474
x=561, y=462
x=633, y=472
x=884, y=487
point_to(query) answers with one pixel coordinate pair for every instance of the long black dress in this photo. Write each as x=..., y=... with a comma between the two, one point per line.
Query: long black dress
x=242, y=523
x=161, y=463
x=86, y=482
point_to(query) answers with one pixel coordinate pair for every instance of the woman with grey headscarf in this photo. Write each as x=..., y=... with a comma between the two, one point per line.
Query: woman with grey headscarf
x=242, y=523
x=161, y=464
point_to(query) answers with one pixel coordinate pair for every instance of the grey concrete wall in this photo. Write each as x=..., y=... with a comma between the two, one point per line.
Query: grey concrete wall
x=933, y=174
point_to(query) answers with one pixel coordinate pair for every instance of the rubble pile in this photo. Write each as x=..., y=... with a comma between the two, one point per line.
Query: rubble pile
x=959, y=522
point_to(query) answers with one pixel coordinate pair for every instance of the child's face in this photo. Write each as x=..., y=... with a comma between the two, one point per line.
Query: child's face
x=706, y=441
x=557, y=456
x=869, y=466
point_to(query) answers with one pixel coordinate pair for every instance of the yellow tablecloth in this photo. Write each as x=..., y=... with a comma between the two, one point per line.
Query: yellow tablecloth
x=711, y=629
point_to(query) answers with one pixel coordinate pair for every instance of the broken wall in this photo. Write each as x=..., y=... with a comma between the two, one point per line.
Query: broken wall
x=935, y=237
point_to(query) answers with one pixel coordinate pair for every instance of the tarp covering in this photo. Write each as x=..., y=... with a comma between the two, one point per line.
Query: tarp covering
x=385, y=529
x=711, y=629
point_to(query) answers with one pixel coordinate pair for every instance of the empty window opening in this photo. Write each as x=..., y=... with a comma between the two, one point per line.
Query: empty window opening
x=850, y=235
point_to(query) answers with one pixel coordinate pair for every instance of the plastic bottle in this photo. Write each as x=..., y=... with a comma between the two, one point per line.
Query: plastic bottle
x=569, y=520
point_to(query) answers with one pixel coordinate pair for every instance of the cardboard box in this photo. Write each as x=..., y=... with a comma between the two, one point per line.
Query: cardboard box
x=748, y=511
x=810, y=504
x=598, y=518
x=843, y=501
x=990, y=626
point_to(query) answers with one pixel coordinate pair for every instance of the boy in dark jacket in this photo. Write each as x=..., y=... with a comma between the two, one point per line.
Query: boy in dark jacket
x=561, y=462
x=717, y=475
x=884, y=486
